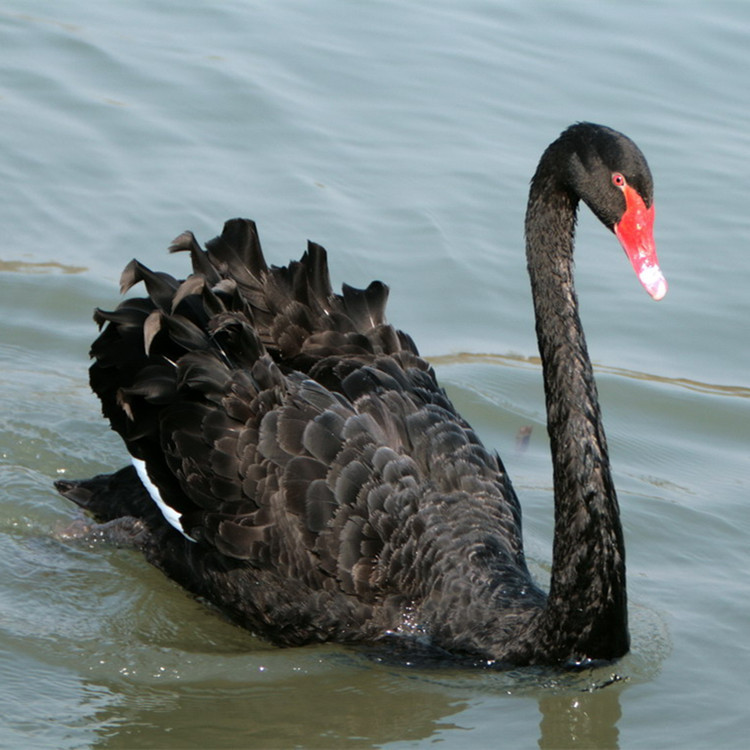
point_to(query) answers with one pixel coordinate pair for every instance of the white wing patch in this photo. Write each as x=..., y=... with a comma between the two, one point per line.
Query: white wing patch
x=170, y=514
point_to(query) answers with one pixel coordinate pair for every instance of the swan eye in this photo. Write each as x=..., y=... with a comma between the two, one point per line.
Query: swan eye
x=618, y=180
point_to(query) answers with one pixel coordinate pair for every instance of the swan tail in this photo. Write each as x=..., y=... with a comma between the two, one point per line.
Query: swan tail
x=296, y=314
x=109, y=496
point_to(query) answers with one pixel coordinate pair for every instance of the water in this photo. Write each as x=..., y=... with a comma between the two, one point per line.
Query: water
x=402, y=136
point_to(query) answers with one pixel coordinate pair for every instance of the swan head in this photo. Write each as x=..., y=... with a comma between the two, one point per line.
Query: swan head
x=610, y=174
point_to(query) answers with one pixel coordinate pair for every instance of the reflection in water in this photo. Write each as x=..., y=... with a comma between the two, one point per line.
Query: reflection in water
x=343, y=709
x=346, y=703
x=582, y=720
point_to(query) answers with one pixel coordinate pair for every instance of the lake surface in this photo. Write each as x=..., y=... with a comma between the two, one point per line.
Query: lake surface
x=402, y=136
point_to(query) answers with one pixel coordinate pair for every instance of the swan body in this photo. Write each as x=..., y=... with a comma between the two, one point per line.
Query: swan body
x=296, y=463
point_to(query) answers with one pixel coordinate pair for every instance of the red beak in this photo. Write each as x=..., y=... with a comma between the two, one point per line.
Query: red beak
x=635, y=230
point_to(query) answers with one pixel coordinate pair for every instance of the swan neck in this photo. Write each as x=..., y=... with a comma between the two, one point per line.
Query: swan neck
x=586, y=607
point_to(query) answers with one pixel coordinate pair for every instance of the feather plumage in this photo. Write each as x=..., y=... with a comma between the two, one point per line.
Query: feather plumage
x=323, y=482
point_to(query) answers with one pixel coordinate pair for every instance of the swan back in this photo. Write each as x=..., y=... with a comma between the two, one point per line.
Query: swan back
x=299, y=442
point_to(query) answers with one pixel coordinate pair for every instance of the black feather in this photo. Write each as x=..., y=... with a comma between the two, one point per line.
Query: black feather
x=328, y=487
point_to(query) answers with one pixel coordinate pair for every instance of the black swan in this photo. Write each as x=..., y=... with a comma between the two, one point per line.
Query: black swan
x=296, y=463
